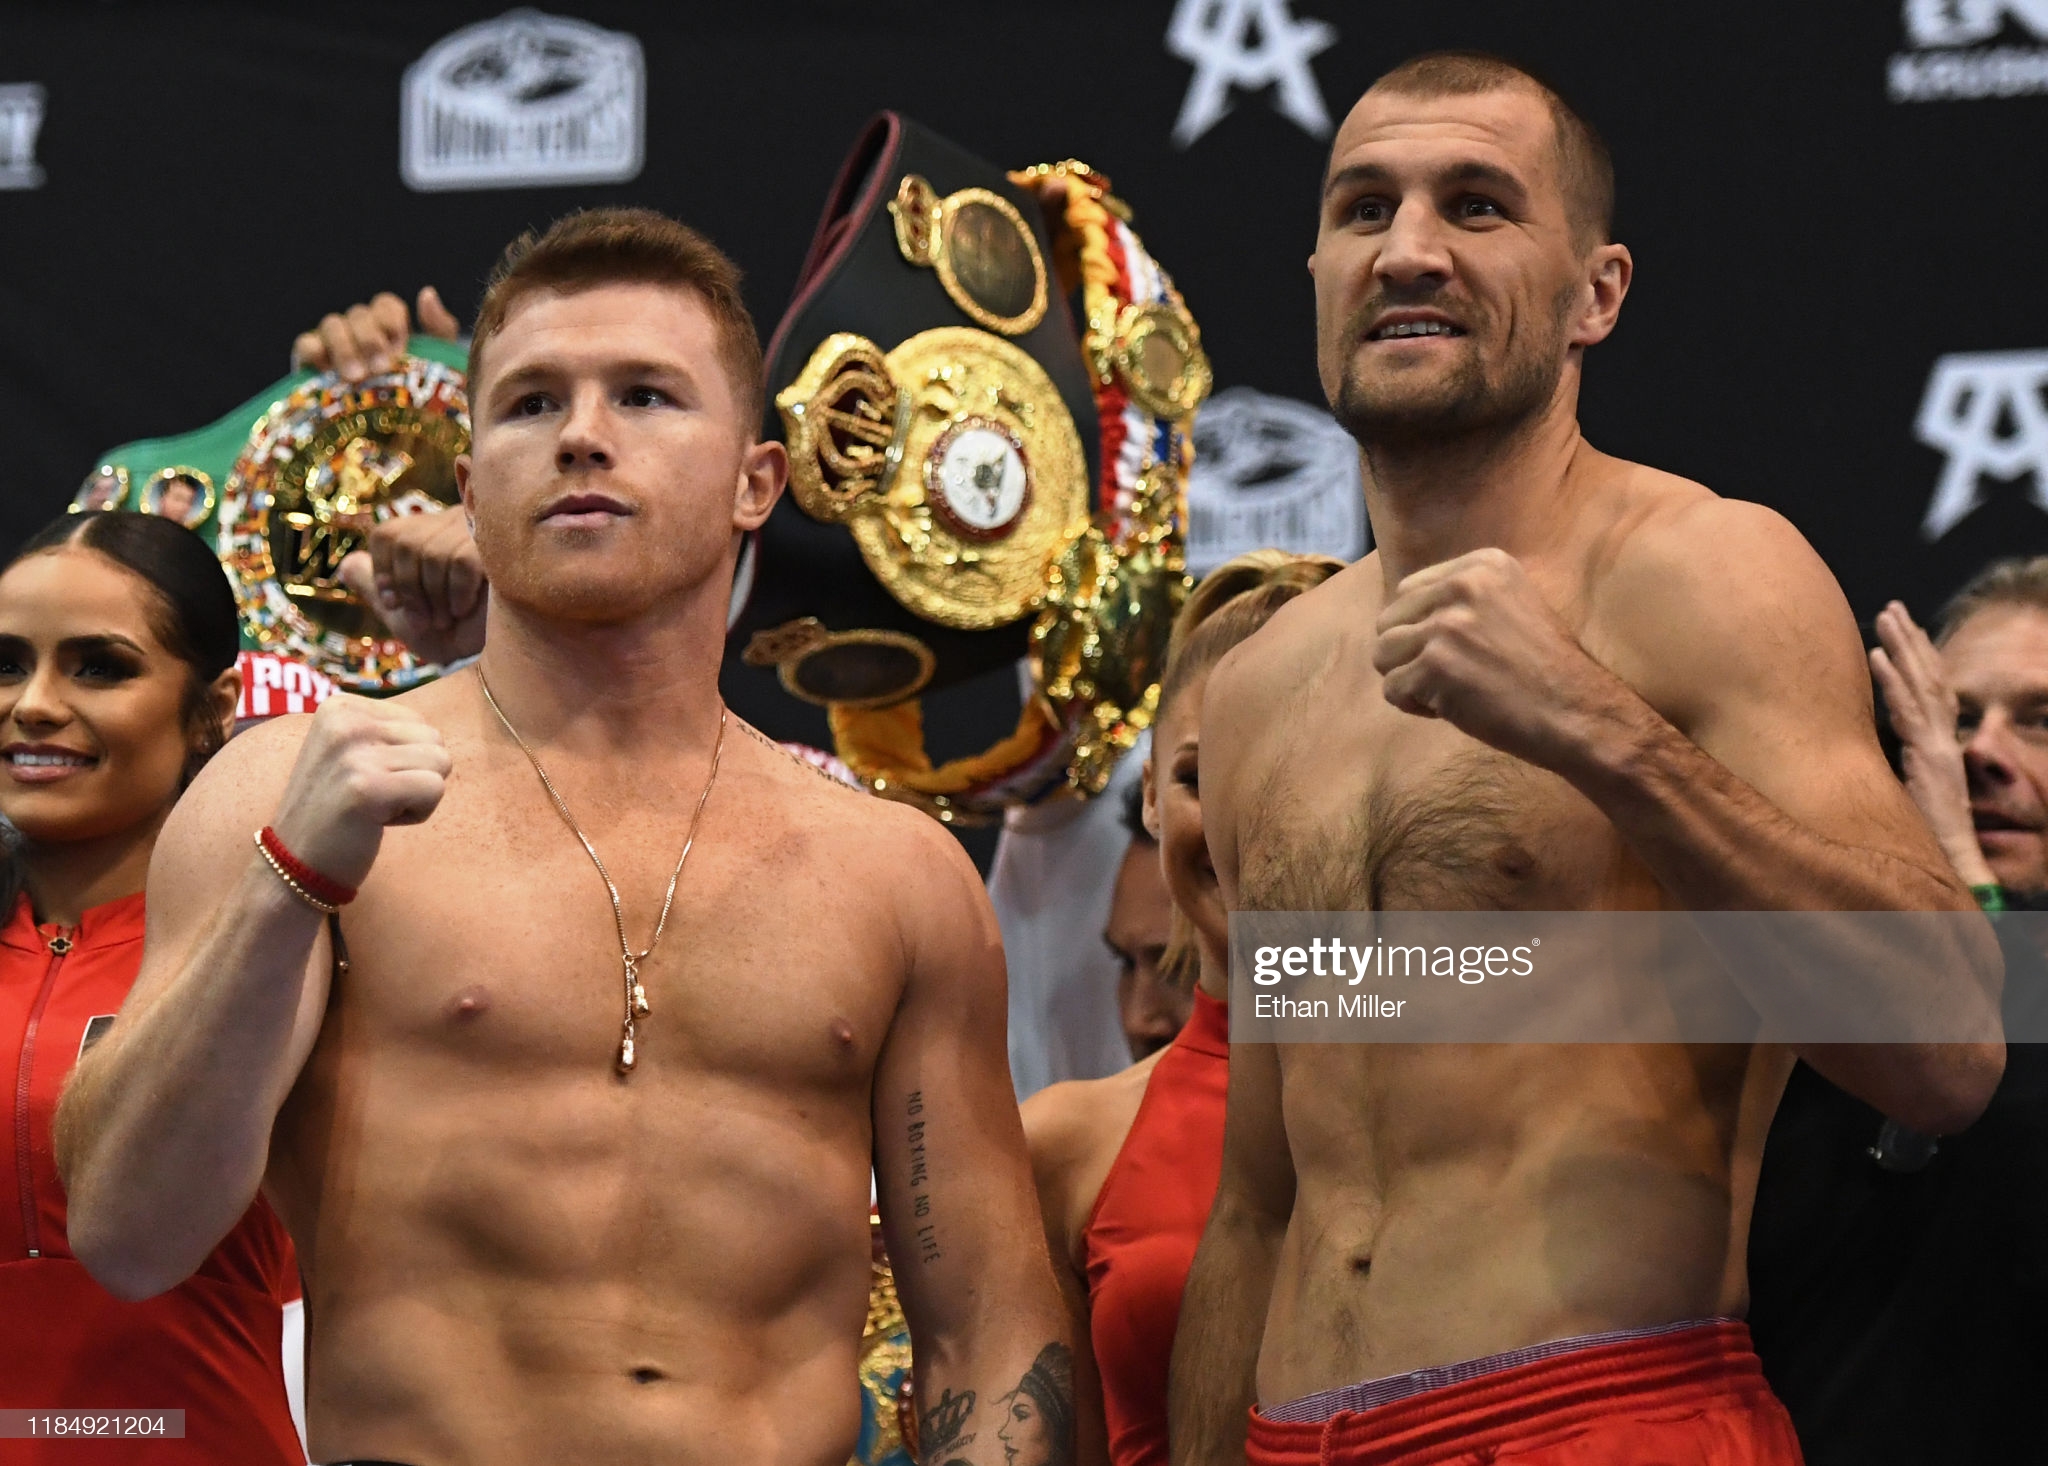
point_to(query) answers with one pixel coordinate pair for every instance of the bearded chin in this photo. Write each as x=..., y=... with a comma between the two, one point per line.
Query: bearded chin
x=1457, y=408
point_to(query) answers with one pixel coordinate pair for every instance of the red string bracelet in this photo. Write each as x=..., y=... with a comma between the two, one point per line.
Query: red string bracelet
x=325, y=890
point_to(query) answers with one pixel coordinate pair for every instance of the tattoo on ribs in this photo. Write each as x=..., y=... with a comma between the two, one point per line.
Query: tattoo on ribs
x=1037, y=1428
x=942, y=1430
x=1035, y=1421
x=923, y=1228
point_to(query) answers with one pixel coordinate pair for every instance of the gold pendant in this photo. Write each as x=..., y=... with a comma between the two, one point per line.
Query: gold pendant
x=636, y=995
x=636, y=1007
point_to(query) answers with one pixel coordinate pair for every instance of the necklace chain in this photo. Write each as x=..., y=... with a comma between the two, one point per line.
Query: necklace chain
x=637, y=1006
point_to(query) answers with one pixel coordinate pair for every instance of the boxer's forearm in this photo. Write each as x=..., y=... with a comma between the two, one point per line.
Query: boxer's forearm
x=163, y=1133
x=971, y=1396
x=1214, y=1379
x=1716, y=844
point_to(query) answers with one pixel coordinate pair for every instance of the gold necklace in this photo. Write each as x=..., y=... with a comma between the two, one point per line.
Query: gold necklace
x=637, y=1006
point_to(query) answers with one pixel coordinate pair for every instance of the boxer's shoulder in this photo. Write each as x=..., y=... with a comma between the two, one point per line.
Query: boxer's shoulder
x=251, y=768
x=785, y=790
x=1694, y=590
x=1299, y=640
x=873, y=855
x=1661, y=529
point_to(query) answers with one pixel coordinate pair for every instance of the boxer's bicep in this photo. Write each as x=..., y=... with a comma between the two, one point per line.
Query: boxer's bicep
x=163, y=1132
x=959, y=1211
x=1747, y=644
x=203, y=854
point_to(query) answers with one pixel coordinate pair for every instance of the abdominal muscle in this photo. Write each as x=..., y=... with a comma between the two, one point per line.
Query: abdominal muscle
x=1454, y=1202
x=546, y=1267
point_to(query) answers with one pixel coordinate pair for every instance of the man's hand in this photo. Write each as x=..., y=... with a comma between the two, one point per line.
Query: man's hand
x=420, y=573
x=1922, y=708
x=1472, y=642
x=365, y=765
x=367, y=339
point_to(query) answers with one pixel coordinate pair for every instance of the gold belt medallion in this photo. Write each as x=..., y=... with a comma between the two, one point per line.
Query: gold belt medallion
x=951, y=459
x=986, y=256
x=322, y=467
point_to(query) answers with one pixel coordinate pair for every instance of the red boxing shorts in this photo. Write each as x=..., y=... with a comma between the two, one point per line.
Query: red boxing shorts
x=1688, y=1394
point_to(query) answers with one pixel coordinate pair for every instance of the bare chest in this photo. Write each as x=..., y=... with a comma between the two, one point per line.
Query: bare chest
x=1355, y=805
x=488, y=937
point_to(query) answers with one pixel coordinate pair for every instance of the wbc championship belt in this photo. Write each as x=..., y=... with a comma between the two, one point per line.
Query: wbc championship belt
x=287, y=485
x=972, y=480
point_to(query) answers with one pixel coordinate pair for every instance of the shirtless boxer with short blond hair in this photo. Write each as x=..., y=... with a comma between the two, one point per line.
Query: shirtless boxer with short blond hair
x=1562, y=681
x=541, y=1221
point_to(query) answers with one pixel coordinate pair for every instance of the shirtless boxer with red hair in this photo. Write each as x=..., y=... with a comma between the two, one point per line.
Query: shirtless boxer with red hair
x=561, y=1015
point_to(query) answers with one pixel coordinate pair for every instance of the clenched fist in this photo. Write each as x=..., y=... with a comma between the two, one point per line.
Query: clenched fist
x=364, y=765
x=1472, y=641
x=422, y=575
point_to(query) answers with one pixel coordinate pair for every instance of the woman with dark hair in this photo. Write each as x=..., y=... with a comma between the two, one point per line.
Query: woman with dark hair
x=1127, y=1166
x=118, y=644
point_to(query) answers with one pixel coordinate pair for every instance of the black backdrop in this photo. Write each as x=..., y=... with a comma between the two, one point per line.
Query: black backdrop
x=214, y=177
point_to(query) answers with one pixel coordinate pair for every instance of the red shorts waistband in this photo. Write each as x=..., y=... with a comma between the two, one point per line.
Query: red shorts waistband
x=1649, y=1371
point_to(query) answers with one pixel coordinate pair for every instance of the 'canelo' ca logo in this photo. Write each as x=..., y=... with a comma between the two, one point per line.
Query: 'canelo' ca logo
x=523, y=101
x=1985, y=411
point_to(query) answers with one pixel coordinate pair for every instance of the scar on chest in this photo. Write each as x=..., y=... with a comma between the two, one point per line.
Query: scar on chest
x=471, y=1003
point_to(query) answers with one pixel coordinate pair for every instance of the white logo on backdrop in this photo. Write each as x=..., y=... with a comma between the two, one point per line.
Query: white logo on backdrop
x=1950, y=65
x=1985, y=410
x=21, y=118
x=523, y=101
x=1270, y=471
x=1250, y=45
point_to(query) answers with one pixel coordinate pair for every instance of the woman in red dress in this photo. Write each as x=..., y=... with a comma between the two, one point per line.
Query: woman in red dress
x=1127, y=1166
x=118, y=643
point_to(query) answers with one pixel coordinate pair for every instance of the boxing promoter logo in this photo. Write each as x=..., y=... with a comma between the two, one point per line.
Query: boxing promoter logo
x=523, y=101
x=1248, y=45
x=1271, y=471
x=273, y=686
x=1968, y=49
x=1985, y=411
x=21, y=118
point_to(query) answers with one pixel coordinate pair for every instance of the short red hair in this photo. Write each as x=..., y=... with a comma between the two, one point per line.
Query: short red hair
x=628, y=246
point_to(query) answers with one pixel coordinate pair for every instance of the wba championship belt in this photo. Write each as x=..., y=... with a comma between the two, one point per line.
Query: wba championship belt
x=971, y=480
x=285, y=486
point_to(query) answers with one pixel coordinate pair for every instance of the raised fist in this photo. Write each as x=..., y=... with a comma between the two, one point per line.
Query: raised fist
x=365, y=765
x=422, y=576
x=367, y=338
x=1473, y=642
